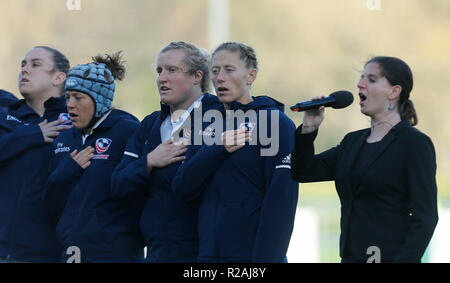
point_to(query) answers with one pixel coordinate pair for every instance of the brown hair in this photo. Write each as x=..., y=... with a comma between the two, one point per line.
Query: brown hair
x=114, y=63
x=397, y=72
x=61, y=63
x=247, y=53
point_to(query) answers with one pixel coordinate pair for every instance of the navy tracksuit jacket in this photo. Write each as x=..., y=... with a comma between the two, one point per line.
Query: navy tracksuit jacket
x=168, y=224
x=6, y=99
x=80, y=201
x=26, y=233
x=248, y=201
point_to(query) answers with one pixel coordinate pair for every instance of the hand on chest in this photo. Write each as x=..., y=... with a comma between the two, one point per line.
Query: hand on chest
x=105, y=147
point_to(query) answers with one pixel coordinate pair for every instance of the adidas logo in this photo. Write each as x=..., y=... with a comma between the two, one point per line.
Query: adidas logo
x=287, y=159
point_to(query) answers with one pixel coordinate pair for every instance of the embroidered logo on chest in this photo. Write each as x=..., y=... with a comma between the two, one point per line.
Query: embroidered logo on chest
x=249, y=126
x=101, y=146
x=209, y=132
x=61, y=148
x=12, y=118
x=65, y=117
x=186, y=133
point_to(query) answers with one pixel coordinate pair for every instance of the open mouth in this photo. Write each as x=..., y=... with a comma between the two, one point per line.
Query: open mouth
x=72, y=116
x=164, y=88
x=362, y=97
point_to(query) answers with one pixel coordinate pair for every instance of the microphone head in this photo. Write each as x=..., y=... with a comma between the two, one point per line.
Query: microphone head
x=343, y=99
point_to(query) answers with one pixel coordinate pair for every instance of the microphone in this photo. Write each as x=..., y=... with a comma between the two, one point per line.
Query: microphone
x=338, y=99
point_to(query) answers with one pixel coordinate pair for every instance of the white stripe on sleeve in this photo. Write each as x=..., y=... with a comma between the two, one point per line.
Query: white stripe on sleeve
x=131, y=154
x=283, y=166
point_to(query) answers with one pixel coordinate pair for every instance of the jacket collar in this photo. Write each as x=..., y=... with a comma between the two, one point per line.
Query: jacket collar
x=21, y=109
x=208, y=101
x=259, y=102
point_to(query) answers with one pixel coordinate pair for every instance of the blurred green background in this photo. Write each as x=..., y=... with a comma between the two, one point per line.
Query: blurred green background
x=305, y=48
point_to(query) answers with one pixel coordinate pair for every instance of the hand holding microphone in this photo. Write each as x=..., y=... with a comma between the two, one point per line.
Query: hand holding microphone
x=313, y=117
x=315, y=108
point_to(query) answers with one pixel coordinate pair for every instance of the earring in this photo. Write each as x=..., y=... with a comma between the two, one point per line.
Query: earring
x=390, y=108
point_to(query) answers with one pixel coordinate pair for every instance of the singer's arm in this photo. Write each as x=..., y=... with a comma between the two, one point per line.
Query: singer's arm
x=308, y=167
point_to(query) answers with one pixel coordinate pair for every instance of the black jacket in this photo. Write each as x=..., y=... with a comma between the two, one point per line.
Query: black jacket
x=393, y=206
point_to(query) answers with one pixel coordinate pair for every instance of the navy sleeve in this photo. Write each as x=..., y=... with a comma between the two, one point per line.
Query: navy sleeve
x=280, y=201
x=422, y=199
x=130, y=178
x=308, y=167
x=6, y=99
x=19, y=140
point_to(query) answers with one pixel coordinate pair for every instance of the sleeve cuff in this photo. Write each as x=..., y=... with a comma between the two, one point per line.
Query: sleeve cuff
x=304, y=138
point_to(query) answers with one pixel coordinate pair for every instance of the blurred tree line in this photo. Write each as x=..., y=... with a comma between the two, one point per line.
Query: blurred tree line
x=305, y=48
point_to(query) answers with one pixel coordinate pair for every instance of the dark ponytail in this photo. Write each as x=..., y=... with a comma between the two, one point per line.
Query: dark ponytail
x=397, y=72
x=114, y=63
x=407, y=111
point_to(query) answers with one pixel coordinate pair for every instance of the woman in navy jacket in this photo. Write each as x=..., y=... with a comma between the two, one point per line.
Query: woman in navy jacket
x=247, y=198
x=91, y=225
x=154, y=153
x=384, y=175
x=27, y=131
x=6, y=99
